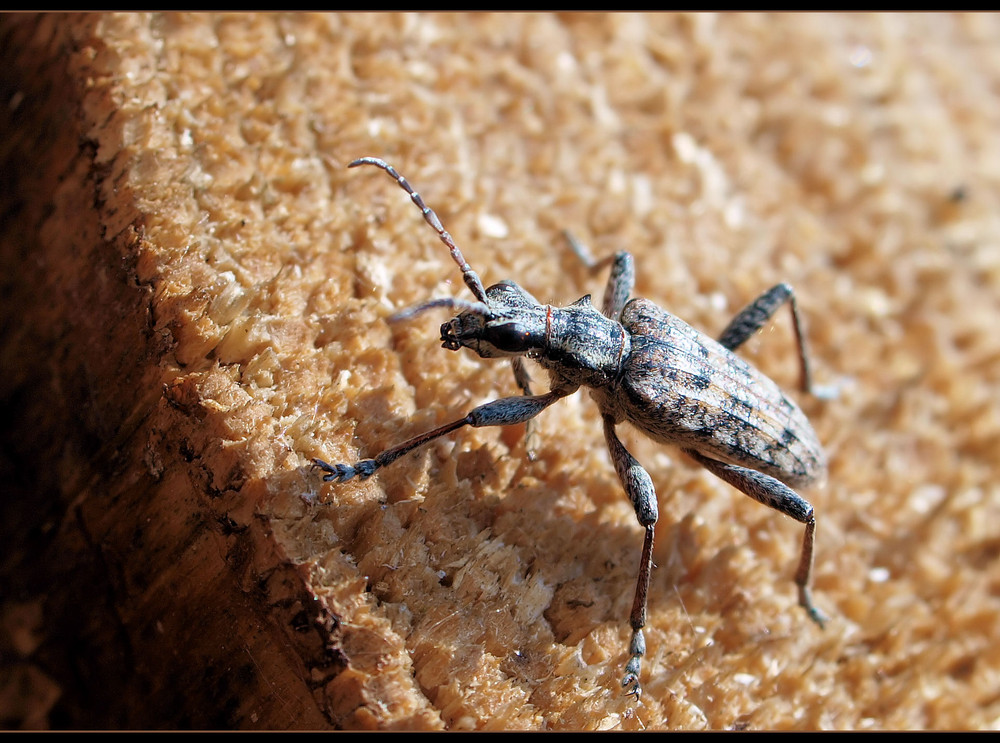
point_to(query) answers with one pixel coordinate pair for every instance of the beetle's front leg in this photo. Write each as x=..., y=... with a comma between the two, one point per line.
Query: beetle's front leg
x=775, y=494
x=504, y=412
x=752, y=318
x=639, y=488
x=621, y=282
x=523, y=380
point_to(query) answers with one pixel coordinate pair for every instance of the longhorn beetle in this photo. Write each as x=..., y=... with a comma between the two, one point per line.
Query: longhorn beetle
x=644, y=366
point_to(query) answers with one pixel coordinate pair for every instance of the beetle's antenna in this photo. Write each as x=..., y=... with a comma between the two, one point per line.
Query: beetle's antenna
x=461, y=305
x=471, y=277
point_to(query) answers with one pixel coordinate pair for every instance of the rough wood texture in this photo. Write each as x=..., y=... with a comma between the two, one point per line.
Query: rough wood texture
x=194, y=294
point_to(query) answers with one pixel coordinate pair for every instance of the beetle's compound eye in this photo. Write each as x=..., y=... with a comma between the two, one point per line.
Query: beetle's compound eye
x=508, y=336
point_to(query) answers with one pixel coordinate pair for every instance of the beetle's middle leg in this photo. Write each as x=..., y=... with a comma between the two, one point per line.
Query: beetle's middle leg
x=775, y=494
x=639, y=488
x=752, y=318
x=506, y=411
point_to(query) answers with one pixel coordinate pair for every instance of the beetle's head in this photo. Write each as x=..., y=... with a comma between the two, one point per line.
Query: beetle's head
x=512, y=323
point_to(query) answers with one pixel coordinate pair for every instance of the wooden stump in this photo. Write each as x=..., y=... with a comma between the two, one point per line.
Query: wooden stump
x=195, y=294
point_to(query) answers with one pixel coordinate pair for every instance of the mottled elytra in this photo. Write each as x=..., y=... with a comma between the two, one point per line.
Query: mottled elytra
x=644, y=366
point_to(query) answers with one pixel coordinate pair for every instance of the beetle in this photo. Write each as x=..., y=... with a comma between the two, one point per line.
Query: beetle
x=646, y=367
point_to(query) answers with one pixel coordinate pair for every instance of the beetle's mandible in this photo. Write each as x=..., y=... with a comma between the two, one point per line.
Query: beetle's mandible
x=644, y=366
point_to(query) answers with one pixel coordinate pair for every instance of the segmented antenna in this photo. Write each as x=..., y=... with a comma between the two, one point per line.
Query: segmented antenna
x=460, y=305
x=471, y=277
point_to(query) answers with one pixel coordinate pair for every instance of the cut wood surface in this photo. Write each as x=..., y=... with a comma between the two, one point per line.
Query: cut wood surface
x=195, y=302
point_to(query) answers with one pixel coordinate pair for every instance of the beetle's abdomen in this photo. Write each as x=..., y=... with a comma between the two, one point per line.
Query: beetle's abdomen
x=681, y=387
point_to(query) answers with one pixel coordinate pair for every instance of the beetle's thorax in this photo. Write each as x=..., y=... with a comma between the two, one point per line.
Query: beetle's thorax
x=583, y=346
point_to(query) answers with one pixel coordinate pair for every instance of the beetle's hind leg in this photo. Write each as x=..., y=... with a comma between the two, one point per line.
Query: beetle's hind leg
x=775, y=494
